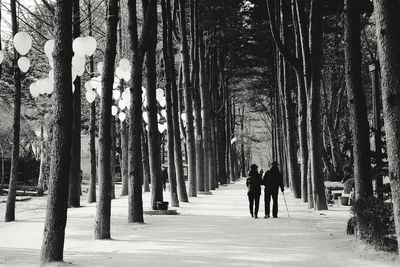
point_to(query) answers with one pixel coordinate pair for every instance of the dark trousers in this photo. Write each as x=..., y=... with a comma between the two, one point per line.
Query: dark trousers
x=252, y=200
x=267, y=199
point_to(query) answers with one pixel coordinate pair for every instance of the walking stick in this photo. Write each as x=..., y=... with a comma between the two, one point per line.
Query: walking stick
x=286, y=204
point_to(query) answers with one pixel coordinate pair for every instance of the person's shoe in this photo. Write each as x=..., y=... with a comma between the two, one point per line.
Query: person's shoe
x=275, y=216
x=266, y=216
x=252, y=215
x=256, y=217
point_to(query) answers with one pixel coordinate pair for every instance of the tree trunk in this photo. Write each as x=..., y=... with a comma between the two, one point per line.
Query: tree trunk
x=302, y=128
x=103, y=213
x=43, y=165
x=167, y=38
x=292, y=160
x=387, y=31
x=12, y=190
x=377, y=124
x=205, y=115
x=125, y=160
x=113, y=154
x=145, y=159
x=357, y=103
x=187, y=92
x=57, y=200
x=242, y=156
x=138, y=170
x=75, y=167
x=310, y=198
x=196, y=95
x=92, y=124
x=314, y=107
x=182, y=193
x=153, y=133
x=92, y=144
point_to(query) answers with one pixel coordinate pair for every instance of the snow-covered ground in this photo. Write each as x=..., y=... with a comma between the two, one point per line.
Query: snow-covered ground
x=211, y=230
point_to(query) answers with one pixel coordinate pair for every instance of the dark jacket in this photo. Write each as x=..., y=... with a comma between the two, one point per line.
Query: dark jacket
x=253, y=183
x=273, y=179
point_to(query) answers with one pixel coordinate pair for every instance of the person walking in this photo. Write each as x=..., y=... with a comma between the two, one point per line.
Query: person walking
x=272, y=180
x=253, y=184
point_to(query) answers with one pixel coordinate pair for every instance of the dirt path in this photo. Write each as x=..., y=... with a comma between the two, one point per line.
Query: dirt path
x=211, y=230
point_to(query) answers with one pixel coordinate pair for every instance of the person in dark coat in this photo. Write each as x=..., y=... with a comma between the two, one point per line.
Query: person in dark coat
x=272, y=180
x=253, y=184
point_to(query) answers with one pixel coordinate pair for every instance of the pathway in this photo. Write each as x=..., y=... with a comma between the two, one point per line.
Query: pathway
x=211, y=230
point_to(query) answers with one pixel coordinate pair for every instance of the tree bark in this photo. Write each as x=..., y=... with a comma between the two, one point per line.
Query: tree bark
x=167, y=38
x=205, y=115
x=196, y=95
x=310, y=199
x=356, y=99
x=187, y=92
x=103, y=213
x=125, y=156
x=92, y=125
x=113, y=153
x=92, y=145
x=182, y=192
x=377, y=124
x=153, y=133
x=75, y=167
x=387, y=31
x=137, y=146
x=301, y=108
x=12, y=190
x=314, y=107
x=57, y=200
x=145, y=159
x=42, y=167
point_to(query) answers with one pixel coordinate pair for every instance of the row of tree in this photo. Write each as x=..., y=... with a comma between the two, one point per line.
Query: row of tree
x=312, y=77
x=195, y=84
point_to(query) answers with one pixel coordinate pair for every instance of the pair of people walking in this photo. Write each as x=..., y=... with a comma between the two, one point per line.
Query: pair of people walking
x=272, y=181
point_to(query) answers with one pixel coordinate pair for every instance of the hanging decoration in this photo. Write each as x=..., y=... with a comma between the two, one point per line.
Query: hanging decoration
x=22, y=43
x=122, y=116
x=24, y=64
x=162, y=127
x=90, y=96
x=82, y=47
x=48, y=49
x=114, y=110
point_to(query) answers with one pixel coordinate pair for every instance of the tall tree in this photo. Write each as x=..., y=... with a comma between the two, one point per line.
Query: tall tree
x=180, y=179
x=75, y=167
x=92, y=127
x=10, y=207
x=103, y=212
x=153, y=133
x=356, y=99
x=314, y=106
x=387, y=31
x=145, y=159
x=205, y=114
x=57, y=200
x=124, y=132
x=194, y=56
x=125, y=157
x=187, y=93
x=280, y=18
x=168, y=88
x=136, y=134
